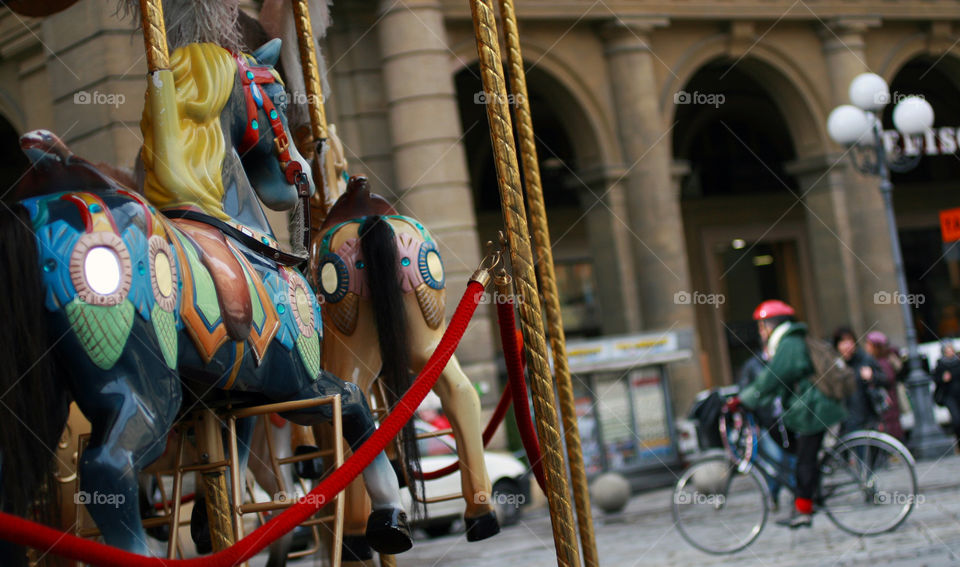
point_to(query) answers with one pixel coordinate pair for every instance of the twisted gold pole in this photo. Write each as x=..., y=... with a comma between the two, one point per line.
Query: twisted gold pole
x=311, y=72
x=548, y=281
x=521, y=257
x=154, y=35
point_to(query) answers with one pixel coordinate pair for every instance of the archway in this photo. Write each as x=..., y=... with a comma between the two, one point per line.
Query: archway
x=745, y=235
x=932, y=267
x=563, y=137
x=13, y=163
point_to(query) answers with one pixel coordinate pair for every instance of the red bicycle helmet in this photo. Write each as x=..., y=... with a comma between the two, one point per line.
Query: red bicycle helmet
x=772, y=308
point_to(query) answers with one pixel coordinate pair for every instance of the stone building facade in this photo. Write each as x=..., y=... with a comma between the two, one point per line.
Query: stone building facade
x=688, y=172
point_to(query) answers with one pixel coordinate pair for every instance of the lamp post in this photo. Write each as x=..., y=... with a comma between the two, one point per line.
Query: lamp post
x=858, y=126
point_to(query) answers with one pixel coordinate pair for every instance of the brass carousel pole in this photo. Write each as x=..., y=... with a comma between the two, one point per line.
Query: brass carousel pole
x=548, y=281
x=521, y=258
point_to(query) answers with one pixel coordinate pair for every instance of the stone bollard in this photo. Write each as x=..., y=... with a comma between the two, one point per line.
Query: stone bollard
x=610, y=492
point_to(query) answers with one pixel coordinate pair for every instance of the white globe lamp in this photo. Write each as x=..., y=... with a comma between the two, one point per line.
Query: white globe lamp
x=869, y=91
x=913, y=116
x=848, y=124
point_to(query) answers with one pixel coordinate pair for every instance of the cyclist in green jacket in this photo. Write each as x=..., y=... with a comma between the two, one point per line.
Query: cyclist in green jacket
x=808, y=412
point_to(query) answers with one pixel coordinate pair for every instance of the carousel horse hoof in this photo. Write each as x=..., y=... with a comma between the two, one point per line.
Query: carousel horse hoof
x=311, y=469
x=400, y=472
x=388, y=532
x=482, y=527
x=356, y=548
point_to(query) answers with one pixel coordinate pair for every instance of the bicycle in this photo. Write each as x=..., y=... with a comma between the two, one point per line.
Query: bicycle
x=868, y=486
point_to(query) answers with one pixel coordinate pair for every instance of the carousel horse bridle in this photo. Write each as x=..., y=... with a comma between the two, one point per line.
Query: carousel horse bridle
x=251, y=77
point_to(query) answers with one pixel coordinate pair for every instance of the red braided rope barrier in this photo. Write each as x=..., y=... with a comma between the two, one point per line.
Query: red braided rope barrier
x=512, y=342
x=31, y=534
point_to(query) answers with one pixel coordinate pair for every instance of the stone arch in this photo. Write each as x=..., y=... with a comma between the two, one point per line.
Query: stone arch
x=595, y=142
x=11, y=112
x=789, y=86
x=13, y=163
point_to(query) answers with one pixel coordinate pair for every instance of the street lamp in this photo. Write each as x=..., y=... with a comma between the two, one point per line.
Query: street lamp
x=858, y=126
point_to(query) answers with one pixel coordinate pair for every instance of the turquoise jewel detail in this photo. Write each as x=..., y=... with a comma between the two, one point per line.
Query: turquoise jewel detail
x=141, y=268
x=265, y=240
x=273, y=115
x=359, y=264
x=250, y=75
x=50, y=265
x=405, y=262
x=95, y=208
x=281, y=308
x=254, y=124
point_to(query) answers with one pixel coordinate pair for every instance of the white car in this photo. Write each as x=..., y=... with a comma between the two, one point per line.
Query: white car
x=509, y=477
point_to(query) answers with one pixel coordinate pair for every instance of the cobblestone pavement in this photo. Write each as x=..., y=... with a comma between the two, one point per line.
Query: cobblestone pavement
x=644, y=535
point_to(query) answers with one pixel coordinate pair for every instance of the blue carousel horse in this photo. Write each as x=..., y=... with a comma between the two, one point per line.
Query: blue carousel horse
x=138, y=306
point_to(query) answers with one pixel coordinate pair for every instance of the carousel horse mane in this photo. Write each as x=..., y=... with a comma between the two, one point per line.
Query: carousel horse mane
x=204, y=77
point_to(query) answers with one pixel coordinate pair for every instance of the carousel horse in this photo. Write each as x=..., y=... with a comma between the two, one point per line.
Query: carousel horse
x=135, y=304
x=382, y=281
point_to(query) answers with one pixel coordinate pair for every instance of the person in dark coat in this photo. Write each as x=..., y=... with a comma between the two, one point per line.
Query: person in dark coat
x=773, y=435
x=878, y=346
x=946, y=376
x=861, y=413
x=808, y=412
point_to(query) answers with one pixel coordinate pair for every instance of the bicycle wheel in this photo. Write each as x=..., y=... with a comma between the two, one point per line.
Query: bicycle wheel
x=717, y=508
x=868, y=483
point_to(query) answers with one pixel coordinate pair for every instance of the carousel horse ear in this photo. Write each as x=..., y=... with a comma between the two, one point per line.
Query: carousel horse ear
x=268, y=53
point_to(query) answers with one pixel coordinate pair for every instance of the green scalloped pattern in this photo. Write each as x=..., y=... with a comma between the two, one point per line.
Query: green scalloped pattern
x=165, y=325
x=259, y=315
x=205, y=297
x=102, y=329
x=309, y=349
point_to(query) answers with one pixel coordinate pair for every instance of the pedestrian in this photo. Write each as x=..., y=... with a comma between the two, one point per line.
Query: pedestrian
x=808, y=412
x=946, y=376
x=774, y=440
x=878, y=346
x=866, y=404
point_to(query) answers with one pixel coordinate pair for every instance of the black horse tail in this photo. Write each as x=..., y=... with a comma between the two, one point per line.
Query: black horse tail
x=379, y=246
x=33, y=406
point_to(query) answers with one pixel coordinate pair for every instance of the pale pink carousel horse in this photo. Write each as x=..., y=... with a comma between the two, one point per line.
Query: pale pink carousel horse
x=381, y=281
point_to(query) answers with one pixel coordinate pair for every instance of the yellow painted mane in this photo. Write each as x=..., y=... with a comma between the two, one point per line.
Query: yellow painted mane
x=204, y=79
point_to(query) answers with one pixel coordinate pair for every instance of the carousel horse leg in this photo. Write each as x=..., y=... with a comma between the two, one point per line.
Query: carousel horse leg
x=461, y=405
x=387, y=530
x=129, y=432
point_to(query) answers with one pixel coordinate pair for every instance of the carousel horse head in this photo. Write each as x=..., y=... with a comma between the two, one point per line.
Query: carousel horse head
x=232, y=137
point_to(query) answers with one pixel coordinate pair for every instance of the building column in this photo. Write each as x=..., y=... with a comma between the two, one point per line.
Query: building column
x=429, y=161
x=603, y=198
x=660, y=253
x=97, y=81
x=358, y=102
x=828, y=227
x=869, y=239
